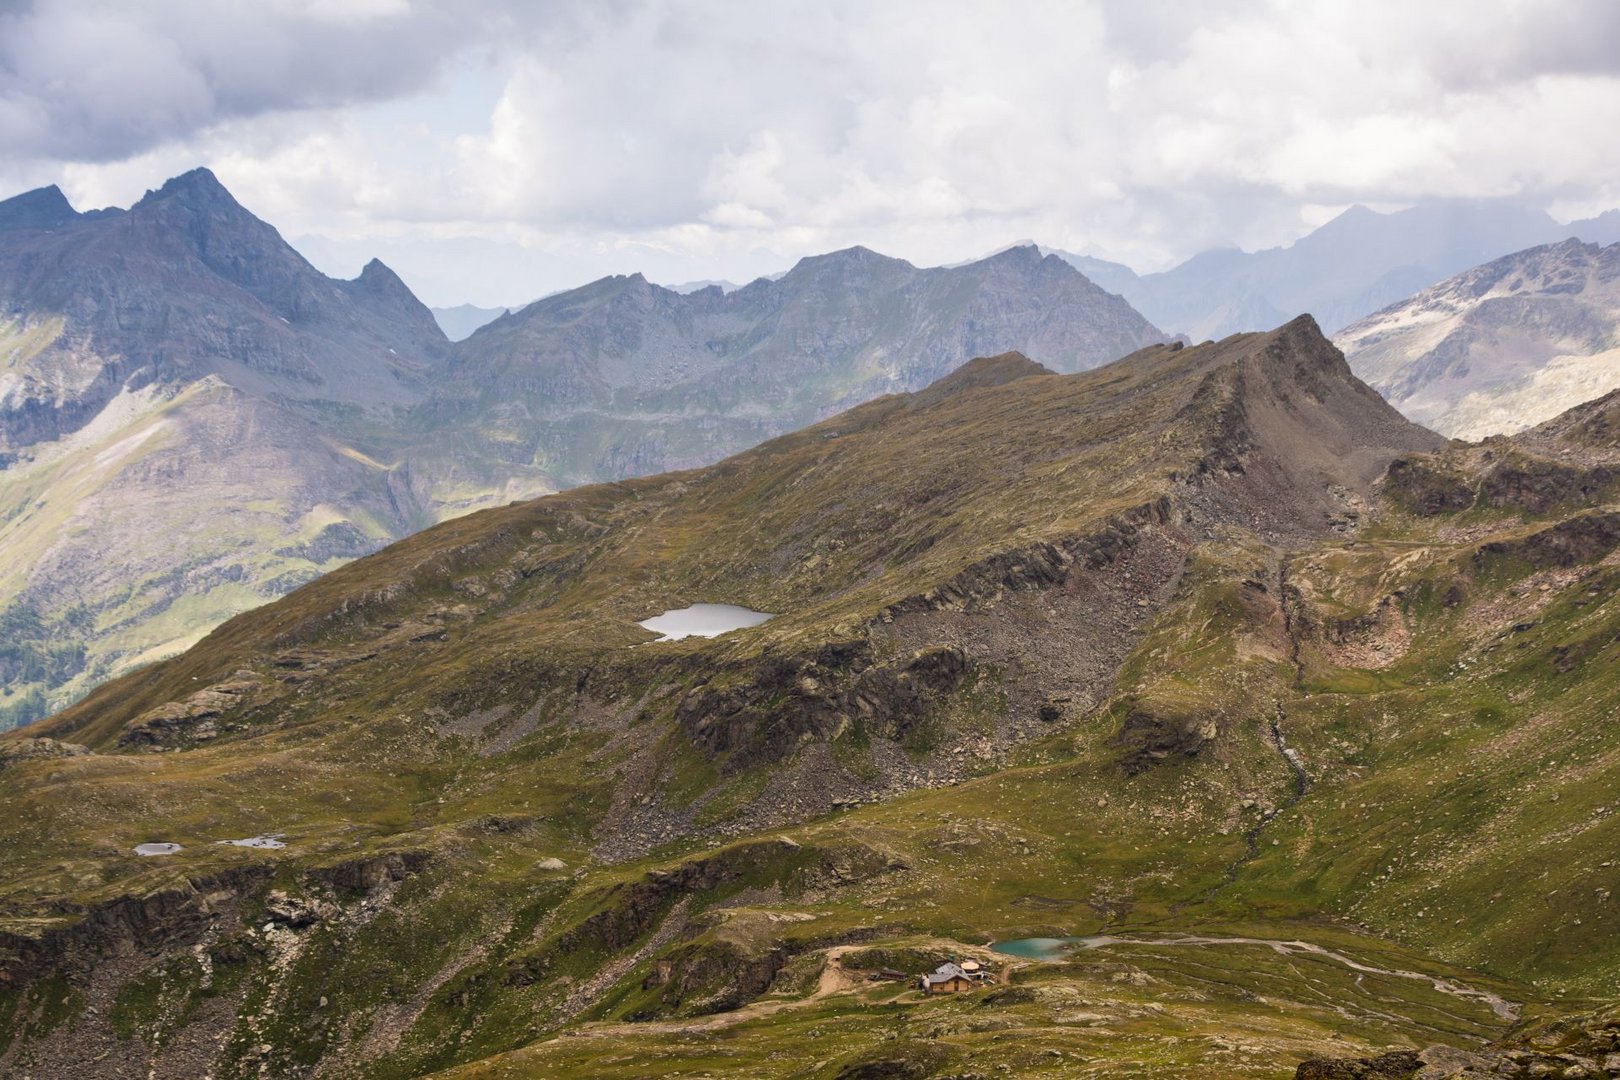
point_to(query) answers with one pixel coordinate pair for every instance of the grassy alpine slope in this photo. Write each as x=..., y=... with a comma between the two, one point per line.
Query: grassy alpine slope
x=194, y=420
x=1154, y=651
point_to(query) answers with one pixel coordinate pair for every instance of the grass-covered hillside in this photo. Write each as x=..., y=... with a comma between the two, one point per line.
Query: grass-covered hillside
x=1302, y=715
x=195, y=421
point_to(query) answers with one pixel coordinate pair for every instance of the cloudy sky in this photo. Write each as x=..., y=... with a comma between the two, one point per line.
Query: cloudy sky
x=495, y=151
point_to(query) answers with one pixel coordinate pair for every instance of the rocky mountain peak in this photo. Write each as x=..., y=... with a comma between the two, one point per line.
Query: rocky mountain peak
x=852, y=260
x=1289, y=396
x=42, y=208
x=198, y=188
x=197, y=209
x=1019, y=254
x=377, y=278
x=384, y=290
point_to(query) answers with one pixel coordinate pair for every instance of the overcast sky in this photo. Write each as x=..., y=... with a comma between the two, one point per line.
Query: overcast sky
x=495, y=151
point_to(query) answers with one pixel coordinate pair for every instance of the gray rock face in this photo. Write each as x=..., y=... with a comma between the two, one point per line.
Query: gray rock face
x=193, y=420
x=43, y=208
x=1501, y=347
x=188, y=419
x=623, y=377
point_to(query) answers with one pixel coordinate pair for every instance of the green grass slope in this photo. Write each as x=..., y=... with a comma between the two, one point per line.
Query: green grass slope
x=1152, y=653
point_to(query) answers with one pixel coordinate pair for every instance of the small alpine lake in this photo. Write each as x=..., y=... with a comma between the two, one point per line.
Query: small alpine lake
x=1041, y=948
x=703, y=620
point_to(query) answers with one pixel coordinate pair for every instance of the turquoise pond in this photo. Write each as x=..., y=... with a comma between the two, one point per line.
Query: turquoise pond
x=1048, y=948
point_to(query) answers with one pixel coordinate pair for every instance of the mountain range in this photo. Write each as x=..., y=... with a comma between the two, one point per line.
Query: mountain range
x=623, y=378
x=1501, y=347
x=194, y=420
x=1227, y=717
x=1355, y=264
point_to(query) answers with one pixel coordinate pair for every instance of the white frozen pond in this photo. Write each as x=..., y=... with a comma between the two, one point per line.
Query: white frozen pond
x=703, y=620
x=156, y=849
x=255, y=842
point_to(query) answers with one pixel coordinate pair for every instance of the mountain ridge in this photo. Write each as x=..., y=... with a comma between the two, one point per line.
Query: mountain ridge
x=1357, y=263
x=1502, y=346
x=1206, y=656
x=153, y=350
x=1286, y=396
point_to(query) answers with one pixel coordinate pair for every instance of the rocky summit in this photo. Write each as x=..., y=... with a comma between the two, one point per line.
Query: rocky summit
x=193, y=420
x=1209, y=716
x=1500, y=347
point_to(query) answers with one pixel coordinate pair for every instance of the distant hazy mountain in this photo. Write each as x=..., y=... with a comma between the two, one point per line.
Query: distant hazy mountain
x=1112, y=277
x=193, y=419
x=459, y=322
x=1501, y=347
x=1603, y=229
x=696, y=286
x=623, y=377
x=1355, y=264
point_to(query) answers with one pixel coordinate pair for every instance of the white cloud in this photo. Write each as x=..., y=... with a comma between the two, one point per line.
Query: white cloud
x=99, y=80
x=712, y=138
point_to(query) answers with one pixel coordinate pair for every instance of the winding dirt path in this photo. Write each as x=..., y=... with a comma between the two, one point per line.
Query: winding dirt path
x=1503, y=1008
x=834, y=979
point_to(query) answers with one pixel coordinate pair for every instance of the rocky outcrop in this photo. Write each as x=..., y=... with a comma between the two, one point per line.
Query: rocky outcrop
x=1540, y=486
x=370, y=872
x=1397, y=1065
x=764, y=713
x=1039, y=566
x=38, y=749
x=1424, y=487
x=1594, y=425
x=1582, y=1047
x=628, y=912
x=154, y=922
x=194, y=719
x=1584, y=538
x=1148, y=737
x=714, y=976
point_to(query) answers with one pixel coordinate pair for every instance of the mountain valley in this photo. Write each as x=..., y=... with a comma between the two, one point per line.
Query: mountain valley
x=1296, y=713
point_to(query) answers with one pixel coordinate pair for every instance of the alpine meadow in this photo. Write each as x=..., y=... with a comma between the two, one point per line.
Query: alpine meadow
x=854, y=542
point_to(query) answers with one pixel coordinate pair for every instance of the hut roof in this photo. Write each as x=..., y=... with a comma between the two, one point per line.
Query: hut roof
x=944, y=973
